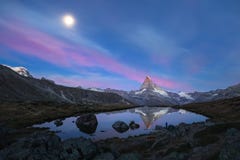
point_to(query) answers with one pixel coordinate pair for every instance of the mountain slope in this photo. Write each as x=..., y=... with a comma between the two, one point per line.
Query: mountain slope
x=15, y=87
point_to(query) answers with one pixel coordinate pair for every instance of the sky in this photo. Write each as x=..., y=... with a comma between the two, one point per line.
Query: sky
x=187, y=45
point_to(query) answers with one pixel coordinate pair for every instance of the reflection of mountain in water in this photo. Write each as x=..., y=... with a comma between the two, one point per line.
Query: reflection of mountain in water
x=151, y=114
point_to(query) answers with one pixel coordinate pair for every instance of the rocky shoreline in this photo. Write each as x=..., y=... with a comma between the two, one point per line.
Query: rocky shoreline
x=206, y=140
x=215, y=139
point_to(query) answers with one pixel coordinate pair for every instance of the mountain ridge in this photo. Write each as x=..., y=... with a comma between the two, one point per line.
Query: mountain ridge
x=150, y=94
x=28, y=88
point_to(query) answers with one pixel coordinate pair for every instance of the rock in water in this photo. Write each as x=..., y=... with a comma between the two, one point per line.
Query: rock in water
x=87, y=123
x=133, y=125
x=120, y=126
x=58, y=122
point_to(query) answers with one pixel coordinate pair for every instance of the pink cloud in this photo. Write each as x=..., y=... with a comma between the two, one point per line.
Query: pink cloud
x=31, y=42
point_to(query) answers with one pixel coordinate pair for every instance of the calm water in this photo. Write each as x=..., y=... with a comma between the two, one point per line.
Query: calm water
x=146, y=117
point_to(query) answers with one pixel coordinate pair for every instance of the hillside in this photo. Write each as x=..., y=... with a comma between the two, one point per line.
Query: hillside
x=17, y=88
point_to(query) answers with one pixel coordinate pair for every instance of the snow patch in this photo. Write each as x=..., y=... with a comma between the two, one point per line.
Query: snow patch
x=161, y=112
x=140, y=111
x=20, y=70
x=96, y=89
x=185, y=95
x=182, y=111
x=140, y=92
x=162, y=92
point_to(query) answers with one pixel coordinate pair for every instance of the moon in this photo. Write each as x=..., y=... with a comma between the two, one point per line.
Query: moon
x=68, y=20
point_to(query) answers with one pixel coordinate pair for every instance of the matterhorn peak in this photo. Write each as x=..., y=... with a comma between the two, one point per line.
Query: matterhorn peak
x=148, y=78
x=148, y=84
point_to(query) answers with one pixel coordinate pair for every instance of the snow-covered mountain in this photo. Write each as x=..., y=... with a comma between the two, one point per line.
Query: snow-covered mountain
x=148, y=94
x=20, y=70
x=151, y=94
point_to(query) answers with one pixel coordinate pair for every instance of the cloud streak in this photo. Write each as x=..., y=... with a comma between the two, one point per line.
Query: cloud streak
x=31, y=42
x=161, y=48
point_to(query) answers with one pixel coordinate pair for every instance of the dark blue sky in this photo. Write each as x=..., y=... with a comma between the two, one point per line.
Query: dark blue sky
x=183, y=45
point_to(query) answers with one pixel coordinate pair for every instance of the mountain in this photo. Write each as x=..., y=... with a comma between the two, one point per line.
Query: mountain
x=150, y=94
x=21, y=71
x=230, y=92
x=17, y=84
x=148, y=84
x=15, y=87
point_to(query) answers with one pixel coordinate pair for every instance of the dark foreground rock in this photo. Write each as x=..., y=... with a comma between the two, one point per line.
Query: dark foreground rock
x=196, y=141
x=87, y=123
x=4, y=132
x=231, y=148
x=130, y=156
x=79, y=148
x=47, y=146
x=120, y=126
x=107, y=156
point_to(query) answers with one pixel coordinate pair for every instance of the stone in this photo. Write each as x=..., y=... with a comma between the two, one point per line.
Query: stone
x=120, y=126
x=104, y=156
x=40, y=145
x=231, y=146
x=133, y=125
x=87, y=123
x=76, y=148
x=48, y=146
x=130, y=156
x=158, y=127
x=58, y=123
x=176, y=156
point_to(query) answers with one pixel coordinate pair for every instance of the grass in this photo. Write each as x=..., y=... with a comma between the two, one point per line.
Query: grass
x=210, y=134
x=19, y=115
x=227, y=110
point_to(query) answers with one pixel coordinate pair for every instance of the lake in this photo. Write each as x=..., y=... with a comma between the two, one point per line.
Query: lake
x=146, y=117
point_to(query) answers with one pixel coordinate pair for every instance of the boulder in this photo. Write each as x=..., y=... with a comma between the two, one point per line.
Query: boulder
x=87, y=123
x=130, y=156
x=48, y=146
x=79, y=148
x=40, y=145
x=158, y=127
x=58, y=122
x=120, y=126
x=176, y=156
x=103, y=156
x=231, y=147
x=133, y=125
